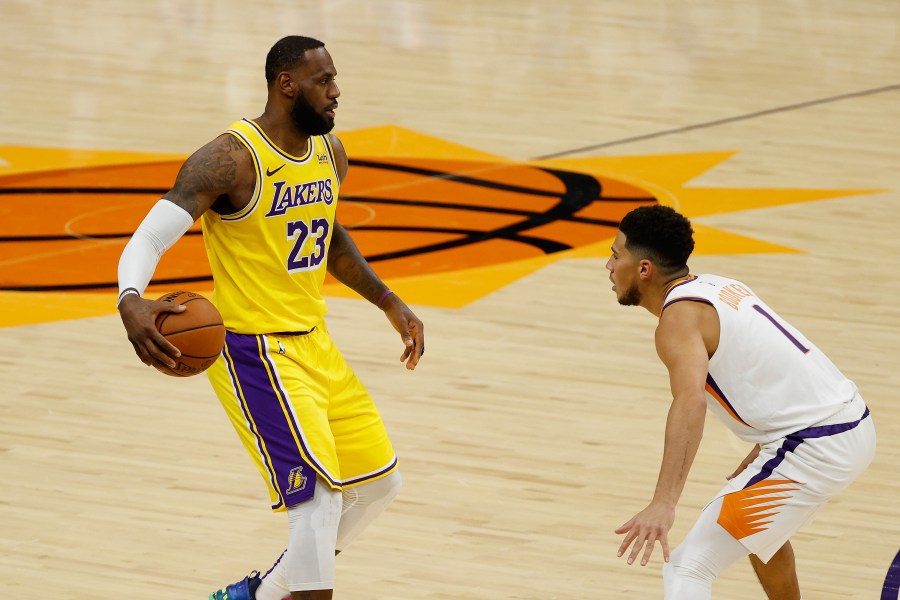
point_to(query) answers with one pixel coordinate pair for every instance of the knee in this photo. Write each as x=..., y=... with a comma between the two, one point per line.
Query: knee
x=378, y=492
x=390, y=486
x=688, y=571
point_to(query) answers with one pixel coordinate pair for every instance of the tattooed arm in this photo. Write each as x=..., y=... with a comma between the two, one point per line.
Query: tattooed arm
x=219, y=174
x=347, y=264
x=221, y=170
x=345, y=261
x=349, y=267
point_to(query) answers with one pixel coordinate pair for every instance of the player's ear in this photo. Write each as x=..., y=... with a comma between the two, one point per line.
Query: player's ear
x=285, y=83
x=645, y=269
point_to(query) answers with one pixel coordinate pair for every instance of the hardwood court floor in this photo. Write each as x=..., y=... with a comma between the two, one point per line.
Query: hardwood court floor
x=534, y=425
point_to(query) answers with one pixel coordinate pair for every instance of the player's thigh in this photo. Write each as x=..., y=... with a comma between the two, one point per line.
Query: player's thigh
x=361, y=439
x=278, y=406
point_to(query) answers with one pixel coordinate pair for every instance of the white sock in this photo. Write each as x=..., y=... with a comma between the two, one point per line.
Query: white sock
x=363, y=503
x=274, y=583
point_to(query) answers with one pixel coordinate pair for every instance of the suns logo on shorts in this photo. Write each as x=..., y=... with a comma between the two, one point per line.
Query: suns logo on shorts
x=296, y=481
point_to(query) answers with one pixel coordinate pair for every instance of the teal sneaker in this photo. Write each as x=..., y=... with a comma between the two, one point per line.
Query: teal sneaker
x=245, y=589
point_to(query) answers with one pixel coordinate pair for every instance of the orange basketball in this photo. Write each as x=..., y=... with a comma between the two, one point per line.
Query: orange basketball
x=198, y=333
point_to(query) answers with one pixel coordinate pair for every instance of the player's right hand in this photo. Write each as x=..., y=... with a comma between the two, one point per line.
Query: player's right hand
x=644, y=529
x=139, y=318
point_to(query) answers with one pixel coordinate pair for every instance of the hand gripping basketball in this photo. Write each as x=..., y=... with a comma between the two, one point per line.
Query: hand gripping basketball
x=198, y=332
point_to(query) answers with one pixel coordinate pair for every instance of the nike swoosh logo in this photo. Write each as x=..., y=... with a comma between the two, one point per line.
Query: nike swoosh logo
x=270, y=173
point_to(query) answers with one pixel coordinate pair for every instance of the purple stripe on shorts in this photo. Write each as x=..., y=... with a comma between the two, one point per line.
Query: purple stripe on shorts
x=294, y=427
x=826, y=430
x=251, y=425
x=263, y=406
x=793, y=440
x=375, y=475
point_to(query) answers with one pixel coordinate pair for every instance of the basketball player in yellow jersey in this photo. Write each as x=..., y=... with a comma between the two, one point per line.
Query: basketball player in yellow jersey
x=267, y=191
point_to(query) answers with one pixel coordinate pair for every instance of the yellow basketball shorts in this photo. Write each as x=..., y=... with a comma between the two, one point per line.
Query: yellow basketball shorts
x=300, y=412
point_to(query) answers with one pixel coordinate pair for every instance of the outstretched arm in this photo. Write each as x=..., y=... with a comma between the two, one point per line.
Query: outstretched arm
x=680, y=345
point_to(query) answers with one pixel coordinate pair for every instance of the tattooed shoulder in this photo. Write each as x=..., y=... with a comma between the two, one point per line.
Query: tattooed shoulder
x=211, y=171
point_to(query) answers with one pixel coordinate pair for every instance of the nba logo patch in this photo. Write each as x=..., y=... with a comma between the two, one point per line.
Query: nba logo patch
x=296, y=481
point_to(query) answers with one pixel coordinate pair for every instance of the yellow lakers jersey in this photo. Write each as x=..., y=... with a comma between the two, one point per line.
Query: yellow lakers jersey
x=269, y=259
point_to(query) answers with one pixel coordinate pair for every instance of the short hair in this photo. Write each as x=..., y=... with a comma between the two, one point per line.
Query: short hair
x=287, y=53
x=660, y=234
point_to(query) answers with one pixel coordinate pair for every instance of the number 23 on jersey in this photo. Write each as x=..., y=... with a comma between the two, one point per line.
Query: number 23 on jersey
x=303, y=256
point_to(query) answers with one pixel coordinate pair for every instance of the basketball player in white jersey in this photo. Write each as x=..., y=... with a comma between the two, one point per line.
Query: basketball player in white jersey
x=728, y=352
x=267, y=192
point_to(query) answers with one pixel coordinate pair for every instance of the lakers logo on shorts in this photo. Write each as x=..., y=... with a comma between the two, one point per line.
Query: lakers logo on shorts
x=296, y=481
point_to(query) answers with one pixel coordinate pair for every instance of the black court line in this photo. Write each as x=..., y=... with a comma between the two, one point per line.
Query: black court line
x=458, y=177
x=580, y=191
x=112, y=285
x=753, y=115
x=76, y=237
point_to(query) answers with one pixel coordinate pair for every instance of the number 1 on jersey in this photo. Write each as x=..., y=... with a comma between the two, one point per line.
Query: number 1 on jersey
x=781, y=328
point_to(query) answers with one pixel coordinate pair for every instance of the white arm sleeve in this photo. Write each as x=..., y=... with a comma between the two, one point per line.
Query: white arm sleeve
x=161, y=228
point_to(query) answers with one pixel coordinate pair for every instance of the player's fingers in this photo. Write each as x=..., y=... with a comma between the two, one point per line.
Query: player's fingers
x=646, y=558
x=636, y=549
x=664, y=542
x=416, y=351
x=411, y=356
x=624, y=527
x=166, y=306
x=625, y=543
x=142, y=354
x=166, y=345
x=418, y=330
x=739, y=470
x=159, y=355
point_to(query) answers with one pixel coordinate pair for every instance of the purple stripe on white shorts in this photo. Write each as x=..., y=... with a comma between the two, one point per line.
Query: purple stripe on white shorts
x=795, y=439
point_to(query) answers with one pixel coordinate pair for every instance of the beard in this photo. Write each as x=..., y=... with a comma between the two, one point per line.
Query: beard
x=308, y=120
x=630, y=297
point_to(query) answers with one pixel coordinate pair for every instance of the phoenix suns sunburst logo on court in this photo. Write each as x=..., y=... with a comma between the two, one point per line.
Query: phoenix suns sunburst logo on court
x=442, y=223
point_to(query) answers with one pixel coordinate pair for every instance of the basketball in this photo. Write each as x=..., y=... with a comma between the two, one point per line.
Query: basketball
x=198, y=333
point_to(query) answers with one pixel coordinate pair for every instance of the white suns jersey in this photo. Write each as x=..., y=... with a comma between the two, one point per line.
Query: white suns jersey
x=766, y=380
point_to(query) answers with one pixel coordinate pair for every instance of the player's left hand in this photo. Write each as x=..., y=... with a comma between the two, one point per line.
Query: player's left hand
x=410, y=328
x=745, y=463
x=649, y=526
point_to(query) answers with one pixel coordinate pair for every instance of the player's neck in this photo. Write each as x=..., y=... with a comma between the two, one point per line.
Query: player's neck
x=283, y=133
x=675, y=281
x=655, y=300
